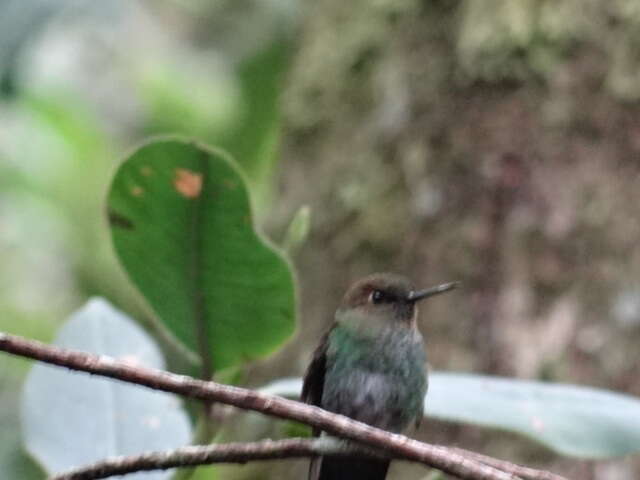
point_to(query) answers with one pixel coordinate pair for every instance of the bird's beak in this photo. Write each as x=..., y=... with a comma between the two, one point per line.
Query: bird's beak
x=417, y=295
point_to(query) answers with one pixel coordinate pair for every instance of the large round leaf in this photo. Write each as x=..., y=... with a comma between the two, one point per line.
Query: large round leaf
x=181, y=224
x=571, y=419
x=71, y=419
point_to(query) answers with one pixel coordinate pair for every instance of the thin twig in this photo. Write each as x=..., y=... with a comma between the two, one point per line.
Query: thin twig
x=525, y=473
x=261, y=450
x=438, y=457
x=218, y=453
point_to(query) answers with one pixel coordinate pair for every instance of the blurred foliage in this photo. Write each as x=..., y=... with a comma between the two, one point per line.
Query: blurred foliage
x=18, y=23
x=297, y=231
x=254, y=139
x=239, y=112
x=14, y=462
x=86, y=85
x=492, y=142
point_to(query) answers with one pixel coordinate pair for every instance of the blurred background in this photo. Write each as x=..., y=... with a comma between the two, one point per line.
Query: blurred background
x=496, y=143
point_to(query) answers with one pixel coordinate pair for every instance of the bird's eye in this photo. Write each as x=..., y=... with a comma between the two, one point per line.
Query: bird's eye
x=378, y=296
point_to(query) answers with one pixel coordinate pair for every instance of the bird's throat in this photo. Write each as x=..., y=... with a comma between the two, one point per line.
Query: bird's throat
x=374, y=325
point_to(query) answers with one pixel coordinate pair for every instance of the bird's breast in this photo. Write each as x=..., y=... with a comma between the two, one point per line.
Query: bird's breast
x=378, y=380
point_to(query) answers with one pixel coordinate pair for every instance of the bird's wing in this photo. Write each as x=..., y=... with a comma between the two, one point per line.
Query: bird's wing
x=312, y=388
x=314, y=377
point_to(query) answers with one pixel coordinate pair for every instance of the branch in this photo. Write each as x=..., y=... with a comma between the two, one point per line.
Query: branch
x=441, y=458
x=525, y=473
x=261, y=450
x=219, y=453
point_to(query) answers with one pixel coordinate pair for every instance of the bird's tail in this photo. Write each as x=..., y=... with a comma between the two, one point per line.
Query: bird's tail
x=348, y=469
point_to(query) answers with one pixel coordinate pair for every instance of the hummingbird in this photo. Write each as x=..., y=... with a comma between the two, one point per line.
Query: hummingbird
x=371, y=365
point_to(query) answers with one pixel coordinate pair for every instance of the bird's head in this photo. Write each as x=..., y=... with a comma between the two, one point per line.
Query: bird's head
x=387, y=297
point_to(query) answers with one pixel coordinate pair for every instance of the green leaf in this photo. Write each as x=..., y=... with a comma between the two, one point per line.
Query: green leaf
x=435, y=475
x=572, y=420
x=71, y=419
x=207, y=472
x=181, y=224
x=254, y=138
x=194, y=103
x=293, y=429
x=298, y=230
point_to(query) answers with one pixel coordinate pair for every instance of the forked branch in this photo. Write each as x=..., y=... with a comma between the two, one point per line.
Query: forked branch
x=457, y=462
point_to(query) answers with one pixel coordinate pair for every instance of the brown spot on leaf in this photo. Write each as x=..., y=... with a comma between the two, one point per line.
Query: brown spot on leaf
x=137, y=191
x=187, y=182
x=119, y=221
x=230, y=184
x=146, y=170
